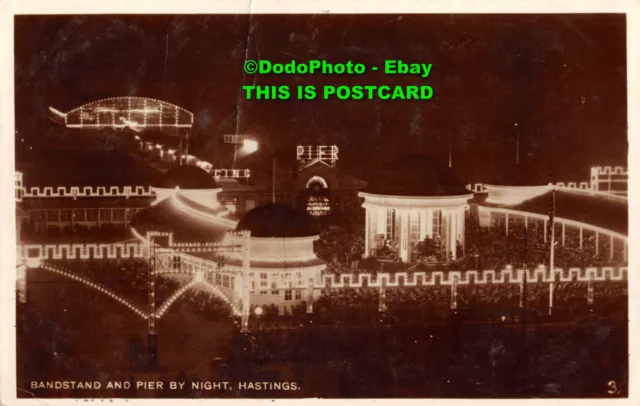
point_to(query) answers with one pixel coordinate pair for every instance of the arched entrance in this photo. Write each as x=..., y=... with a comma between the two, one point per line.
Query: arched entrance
x=318, y=198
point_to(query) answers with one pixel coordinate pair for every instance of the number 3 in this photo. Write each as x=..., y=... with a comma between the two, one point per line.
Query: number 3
x=613, y=389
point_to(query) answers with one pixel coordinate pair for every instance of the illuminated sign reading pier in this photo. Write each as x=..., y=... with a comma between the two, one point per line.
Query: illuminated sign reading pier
x=313, y=153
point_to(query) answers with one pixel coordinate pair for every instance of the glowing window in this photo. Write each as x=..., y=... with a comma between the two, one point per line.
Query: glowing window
x=230, y=204
x=176, y=262
x=118, y=215
x=318, y=205
x=65, y=215
x=415, y=227
x=391, y=223
x=437, y=220
x=79, y=215
x=92, y=214
x=105, y=214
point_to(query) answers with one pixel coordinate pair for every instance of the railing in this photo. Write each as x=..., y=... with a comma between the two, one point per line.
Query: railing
x=473, y=277
x=82, y=251
x=87, y=191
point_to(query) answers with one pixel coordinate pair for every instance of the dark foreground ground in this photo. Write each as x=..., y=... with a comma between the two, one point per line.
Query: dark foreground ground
x=68, y=332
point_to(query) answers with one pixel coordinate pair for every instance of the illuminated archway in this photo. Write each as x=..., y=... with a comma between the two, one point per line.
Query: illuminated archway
x=316, y=180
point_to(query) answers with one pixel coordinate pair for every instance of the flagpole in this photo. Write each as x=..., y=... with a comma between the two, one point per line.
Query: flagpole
x=450, y=152
x=273, y=180
x=552, y=214
x=525, y=359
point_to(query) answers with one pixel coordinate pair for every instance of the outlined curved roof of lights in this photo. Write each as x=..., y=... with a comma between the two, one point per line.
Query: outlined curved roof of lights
x=188, y=220
x=127, y=111
x=602, y=211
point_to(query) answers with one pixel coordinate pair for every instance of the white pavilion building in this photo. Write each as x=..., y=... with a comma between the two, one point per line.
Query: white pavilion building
x=412, y=198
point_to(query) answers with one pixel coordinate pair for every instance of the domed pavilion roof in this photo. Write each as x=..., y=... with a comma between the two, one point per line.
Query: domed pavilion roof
x=277, y=220
x=415, y=175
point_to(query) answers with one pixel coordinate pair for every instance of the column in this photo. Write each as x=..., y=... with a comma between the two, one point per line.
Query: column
x=246, y=265
x=382, y=306
x=21, y=282
x=626, y=258
x=563, y=234
x=580, y=237
x=461, y=228
x=381, y=224
x=452, y=233
x=367, y=232
x=506, y=223
x=429, y=219
x=611, y=248
x=423, y=224
x=454, y=293
x=310, y=296
x=404, y=237
x=597, y=243
x=545, y=230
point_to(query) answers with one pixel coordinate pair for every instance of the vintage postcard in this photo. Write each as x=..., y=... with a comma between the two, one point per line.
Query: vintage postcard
x=317, y=204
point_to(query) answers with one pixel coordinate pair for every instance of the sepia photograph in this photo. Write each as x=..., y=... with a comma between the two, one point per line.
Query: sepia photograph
x=389, y=205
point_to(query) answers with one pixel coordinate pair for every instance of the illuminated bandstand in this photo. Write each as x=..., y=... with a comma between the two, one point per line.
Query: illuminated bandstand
x=410, y=199
x=284, y=266
x=128, y=111
x=282, y=263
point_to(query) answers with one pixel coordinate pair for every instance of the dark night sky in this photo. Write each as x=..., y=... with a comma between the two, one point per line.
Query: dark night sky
x=561, y=77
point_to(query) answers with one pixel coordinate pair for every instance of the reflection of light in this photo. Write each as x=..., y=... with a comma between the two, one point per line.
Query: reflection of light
x=258, y=311
x=33, y=262
x=249, y=146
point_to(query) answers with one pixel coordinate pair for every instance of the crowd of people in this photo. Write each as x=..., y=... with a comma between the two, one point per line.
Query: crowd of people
x=479, y=302
x=494, y=248
x=340, y=248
